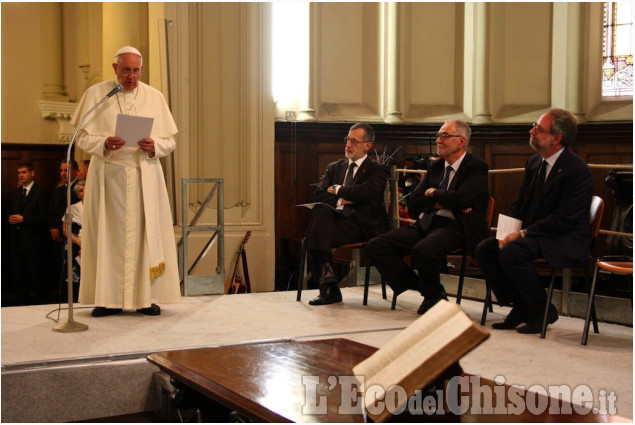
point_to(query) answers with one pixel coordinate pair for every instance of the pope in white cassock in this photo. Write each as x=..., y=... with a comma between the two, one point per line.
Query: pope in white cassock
x=128, y=247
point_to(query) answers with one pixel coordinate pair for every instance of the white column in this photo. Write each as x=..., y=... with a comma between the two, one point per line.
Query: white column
x=392, y=63
x=482, y=114
x=575, y=68
x=52, y=56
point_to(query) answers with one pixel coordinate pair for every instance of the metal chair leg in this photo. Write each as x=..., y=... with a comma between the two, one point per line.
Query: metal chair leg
x=549, y=295
x=459, y=291
x=366, y=282
x=488, y=303
x=585, y=332
x=302, y=272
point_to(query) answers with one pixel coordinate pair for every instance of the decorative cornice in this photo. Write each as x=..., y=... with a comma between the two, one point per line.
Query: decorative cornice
x=57, y=110
x=62, y=113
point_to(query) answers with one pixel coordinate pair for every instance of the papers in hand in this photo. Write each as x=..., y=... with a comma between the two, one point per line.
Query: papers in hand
x=132, y=128
x=507, y=225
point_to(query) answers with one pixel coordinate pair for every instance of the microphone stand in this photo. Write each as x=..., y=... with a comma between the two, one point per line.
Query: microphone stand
x=70, y=325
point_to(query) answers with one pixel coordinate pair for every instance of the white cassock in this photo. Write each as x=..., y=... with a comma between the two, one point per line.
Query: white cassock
x=128, y=246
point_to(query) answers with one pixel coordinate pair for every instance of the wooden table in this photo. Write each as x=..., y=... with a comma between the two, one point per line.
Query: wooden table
x=263, y=381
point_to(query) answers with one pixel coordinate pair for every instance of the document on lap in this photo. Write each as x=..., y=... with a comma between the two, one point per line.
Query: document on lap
x=313, y=204
x=132, y=128
x=507, y=225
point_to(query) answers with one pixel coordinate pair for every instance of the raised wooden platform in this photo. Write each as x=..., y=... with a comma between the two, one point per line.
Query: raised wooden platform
x=103, y=372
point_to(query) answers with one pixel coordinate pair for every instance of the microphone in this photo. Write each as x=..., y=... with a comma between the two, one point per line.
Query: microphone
x=112, y=92
x=71, y=325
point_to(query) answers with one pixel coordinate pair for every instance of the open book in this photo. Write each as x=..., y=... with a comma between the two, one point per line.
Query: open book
x=418, y=355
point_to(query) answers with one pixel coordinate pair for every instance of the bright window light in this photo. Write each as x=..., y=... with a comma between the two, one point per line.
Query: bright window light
x=290, y=55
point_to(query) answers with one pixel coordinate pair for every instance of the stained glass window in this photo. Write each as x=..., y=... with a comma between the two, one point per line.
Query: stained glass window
x=617, y=68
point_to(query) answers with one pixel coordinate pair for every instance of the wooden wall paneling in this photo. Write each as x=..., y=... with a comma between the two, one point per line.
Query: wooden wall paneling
x=45, y=159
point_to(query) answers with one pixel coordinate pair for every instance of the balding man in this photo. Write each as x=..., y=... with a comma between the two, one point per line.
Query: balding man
x=128, y=250
x=450, y=203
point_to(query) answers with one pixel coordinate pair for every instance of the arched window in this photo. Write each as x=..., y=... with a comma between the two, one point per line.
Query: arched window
x=617, y=68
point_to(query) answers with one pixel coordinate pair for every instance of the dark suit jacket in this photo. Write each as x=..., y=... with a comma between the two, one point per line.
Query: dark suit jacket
x=561, y=223
x=366, y=191
x=57, y=206
x=468, y=189
x=32, y=234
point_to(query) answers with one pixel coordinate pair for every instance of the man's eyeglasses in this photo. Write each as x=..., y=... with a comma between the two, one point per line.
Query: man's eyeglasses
x=353, y=141
x=539, y=129
x=446, y=136
x=128, y=71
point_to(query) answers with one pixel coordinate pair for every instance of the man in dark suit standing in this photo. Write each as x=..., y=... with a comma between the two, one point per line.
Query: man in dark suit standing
x=29, y=239
x=450, y=203
x=353, y=191
x=553, y=204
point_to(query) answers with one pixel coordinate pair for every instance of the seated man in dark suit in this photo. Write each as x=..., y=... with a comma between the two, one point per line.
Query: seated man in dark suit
x=353, y=189
x=450, y=203
x=553, y=204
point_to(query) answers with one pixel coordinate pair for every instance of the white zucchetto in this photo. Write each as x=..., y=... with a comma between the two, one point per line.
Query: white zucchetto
x=127, y=49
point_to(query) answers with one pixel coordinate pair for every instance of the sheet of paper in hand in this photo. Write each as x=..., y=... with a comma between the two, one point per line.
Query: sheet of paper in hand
x=132, y=128
x=506, y=225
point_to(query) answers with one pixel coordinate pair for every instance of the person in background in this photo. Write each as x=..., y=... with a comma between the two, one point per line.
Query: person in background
x=30, y=243
x=128, y=250
x=76, y=228
x=57, y=205
x=56, y=213
x=553, y=204
x=82, y=169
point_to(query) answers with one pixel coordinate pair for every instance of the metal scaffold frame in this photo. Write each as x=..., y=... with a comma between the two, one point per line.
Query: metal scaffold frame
x=207, y=284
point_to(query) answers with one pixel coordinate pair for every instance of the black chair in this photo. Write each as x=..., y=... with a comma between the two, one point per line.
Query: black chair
x=355, y=264
x=595, y=218
x=618, y=267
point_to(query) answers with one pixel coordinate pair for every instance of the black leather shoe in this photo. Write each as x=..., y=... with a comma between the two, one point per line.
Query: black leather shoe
x=515, y=317
x=430, y=301
x=103, y=311
x=329, y=294
x=534, y=325
x=153, y=310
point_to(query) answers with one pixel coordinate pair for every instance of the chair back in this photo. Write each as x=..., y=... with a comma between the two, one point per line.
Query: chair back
x=595, y=215
x=489, y=213
x=595, y=218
